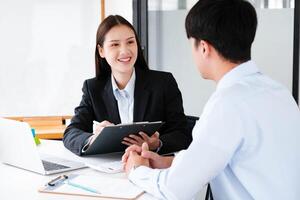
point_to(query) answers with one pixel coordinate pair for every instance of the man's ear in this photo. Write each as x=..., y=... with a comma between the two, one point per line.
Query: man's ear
x=205, y=47
x=101, y=51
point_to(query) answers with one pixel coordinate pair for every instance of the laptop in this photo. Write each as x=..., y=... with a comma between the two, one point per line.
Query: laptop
x=18, y=149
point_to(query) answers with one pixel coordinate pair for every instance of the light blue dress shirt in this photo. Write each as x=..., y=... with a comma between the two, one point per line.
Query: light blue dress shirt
x=125, y=98
x=246, y=144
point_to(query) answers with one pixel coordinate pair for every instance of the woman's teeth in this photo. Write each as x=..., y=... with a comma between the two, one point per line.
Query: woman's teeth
x=124, y=59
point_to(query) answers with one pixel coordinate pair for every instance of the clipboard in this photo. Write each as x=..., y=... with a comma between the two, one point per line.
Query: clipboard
x=91, y=186
x=110, y=138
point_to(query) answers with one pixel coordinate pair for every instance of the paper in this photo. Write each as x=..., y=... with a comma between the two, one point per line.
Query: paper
x=108, y=167
x=106, y=186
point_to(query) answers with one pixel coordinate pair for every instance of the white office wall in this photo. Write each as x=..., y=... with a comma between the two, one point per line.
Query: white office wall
x=169, y=50
x=273, y=46
x=119, y=7
x=47, y=50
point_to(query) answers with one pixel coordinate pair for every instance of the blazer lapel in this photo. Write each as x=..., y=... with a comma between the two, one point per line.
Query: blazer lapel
x=141, y=95
x=111, y=103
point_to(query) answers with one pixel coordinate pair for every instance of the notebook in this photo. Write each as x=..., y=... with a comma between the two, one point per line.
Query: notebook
x=94, y=186
x=18, y=149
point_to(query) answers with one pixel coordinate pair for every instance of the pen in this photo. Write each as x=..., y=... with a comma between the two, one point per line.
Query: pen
x=97, y=123
x=57, y=179
x=82, y=187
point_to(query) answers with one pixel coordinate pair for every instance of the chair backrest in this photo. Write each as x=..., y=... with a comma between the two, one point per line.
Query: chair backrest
x=191, y=121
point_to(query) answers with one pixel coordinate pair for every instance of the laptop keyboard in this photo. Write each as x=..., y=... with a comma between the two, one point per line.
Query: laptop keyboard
x=50, y=166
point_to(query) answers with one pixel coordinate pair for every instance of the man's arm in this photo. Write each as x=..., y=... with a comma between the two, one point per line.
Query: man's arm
x=216, y=139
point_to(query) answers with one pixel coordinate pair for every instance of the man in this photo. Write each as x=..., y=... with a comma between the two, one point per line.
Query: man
x=246, y=141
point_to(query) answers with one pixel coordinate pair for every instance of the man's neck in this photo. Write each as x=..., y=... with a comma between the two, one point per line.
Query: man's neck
x=222, y=68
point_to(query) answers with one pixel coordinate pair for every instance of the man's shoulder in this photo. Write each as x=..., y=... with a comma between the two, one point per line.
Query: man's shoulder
x=235, y=92
x=252, y=89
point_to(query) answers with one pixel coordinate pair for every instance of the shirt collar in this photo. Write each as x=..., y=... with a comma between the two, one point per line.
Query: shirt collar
x=240, y=71
x=129, y=87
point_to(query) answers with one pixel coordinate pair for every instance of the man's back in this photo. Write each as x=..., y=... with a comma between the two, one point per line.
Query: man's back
x=266, y=162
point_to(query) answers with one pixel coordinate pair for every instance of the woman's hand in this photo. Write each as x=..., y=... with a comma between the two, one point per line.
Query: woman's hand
x=153, y=141
x=97, y=129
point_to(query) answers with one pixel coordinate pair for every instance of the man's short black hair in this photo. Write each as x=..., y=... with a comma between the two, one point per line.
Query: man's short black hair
x=228, y=25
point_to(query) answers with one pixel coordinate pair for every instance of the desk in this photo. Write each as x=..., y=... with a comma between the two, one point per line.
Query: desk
x=17, y=183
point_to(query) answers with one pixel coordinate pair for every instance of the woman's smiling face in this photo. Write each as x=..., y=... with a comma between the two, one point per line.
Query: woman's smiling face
x=120, y=49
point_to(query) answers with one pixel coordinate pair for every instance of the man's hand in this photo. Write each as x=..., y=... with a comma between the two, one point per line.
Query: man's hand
x=153, y=141
x=134, y=160
x=97, y=128
x=134, y=148
x=155, y=160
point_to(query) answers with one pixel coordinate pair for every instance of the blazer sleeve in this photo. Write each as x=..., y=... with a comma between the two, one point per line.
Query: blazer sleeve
x=174, y=133
x=80, y=128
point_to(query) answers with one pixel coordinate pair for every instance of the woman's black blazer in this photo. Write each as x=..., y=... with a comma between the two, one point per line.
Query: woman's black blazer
x=156, y=98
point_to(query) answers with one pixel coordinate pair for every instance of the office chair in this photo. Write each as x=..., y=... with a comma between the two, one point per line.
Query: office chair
x=191, y=121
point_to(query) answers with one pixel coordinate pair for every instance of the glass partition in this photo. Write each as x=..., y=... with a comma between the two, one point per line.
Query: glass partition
x=169, y=49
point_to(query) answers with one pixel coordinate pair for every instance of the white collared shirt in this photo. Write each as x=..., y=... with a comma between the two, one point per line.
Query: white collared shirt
x=125, y=98
x=246, y=144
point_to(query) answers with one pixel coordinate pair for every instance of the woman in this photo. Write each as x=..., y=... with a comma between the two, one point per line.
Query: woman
x=124, y=91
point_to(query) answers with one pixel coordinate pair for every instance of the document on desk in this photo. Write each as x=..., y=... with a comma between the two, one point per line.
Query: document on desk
x=87, y=185
x=108, y=167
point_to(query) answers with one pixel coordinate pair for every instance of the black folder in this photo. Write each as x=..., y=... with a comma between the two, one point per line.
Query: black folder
x=110, y=138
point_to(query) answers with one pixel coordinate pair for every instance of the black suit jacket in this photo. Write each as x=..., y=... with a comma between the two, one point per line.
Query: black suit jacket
x=156, y=98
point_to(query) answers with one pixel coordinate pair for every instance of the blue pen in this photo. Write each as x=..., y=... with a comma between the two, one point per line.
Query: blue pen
x=82, y=187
